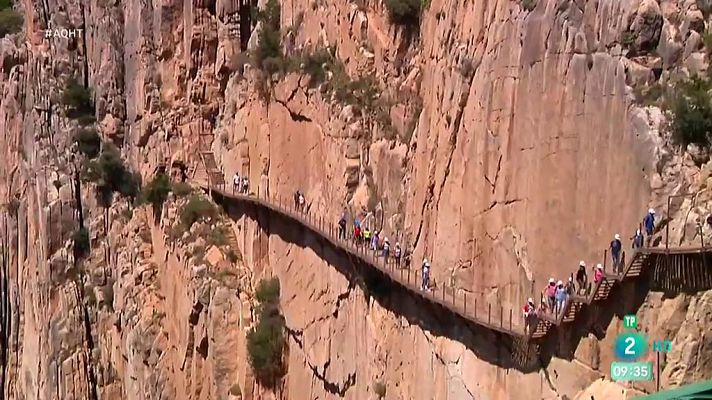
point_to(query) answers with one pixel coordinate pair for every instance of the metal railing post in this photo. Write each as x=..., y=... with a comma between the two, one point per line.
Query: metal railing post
x=605, y=257
x=489, y=313
x=501, y=316
x=510, y=319
x=464, y=302
x=667, y=226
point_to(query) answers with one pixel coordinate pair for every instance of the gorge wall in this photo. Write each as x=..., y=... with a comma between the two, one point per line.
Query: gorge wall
x=501, y=120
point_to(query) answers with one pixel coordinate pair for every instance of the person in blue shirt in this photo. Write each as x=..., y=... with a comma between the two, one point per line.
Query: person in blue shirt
x=616, y=247
x=561, y=297
x=649, y=224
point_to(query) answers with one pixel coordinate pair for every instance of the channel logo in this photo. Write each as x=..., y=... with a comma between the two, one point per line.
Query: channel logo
x=630, y=347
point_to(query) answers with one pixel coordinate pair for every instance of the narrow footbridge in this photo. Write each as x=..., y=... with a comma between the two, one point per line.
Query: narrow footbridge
x=487, y=315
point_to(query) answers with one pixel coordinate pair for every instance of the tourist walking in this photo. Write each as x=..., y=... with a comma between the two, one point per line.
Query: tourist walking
x=598, y=274
x=637, y=239
x=426, y=275
x=375, y=240
x=302, y=201
x=560, y=295
x=245, y=185
x=649, y=224
x=236, y=183
x=397, y=254
x=582, y=278
x=616, y=247
x=386, y=248
x=367, y=236
x=342, y=227
x=551, y=294
x=529, y=316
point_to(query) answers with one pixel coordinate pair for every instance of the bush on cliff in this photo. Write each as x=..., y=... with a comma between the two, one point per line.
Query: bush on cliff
x=88, y=142
x=268, y=54
x=81, y=243
x=379, y=388
x=404, y=12
x=78, y=100
x=111, y=175
x=156, y=192
x=10, y=20
x=266, y=341
x=690, y=112
x=195, y=209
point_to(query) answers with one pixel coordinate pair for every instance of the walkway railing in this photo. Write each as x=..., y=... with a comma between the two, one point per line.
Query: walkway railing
x=471, y=307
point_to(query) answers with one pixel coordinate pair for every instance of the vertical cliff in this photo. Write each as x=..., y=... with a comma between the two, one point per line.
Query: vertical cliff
x=488, y=121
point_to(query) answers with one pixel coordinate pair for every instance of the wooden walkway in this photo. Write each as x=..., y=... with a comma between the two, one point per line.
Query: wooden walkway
x=474, y=309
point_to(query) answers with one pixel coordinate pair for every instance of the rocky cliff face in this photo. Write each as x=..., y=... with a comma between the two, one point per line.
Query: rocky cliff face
x=501, y=117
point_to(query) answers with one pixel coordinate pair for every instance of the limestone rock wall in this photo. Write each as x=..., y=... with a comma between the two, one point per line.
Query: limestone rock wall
x=507, y=120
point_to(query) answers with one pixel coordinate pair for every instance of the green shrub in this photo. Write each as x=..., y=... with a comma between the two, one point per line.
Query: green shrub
x=268, y=53
x=529, y=5
x=88, y=141
x=268, y=291
x=78, y=99
x=10, y=21
x=691, y=112
x=707, y=40
x=404, y=12
x=181, y=189
x=156, y=192
x=266, y=341
x=314, y=64
x=114, y=174
x=218, y=236
x=628, y=39
x=235, y=390
x=232, y=256
x=195, y=209
x=648, y=95
x=81, y=243
x=379, y=388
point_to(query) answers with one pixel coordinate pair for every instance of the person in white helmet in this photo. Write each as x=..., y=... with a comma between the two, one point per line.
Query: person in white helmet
x=616, y=248
x=397, y=254
x=581, y=277
x=550, y=293
x=649, y=224
x=560, y=298
x=637, y=239
x=426, y=275
x=529, y=312
x=598, y=274
x=236, y=183
x=386, y=248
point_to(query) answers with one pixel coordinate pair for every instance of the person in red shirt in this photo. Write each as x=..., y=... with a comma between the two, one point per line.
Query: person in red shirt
x=529, y=311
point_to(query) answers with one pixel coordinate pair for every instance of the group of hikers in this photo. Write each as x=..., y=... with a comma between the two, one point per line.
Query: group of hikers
x=240, y=185
x=556, y=294
x=364, y=236
x=299, y=200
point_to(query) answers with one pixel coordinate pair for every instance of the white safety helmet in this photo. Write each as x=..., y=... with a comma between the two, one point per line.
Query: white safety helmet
x=582, y=264
x=397, y=244
x=617, y=236
x=651, y=210
x=425, y=261
x=551, y=280
x=559, y=283
x=599, y=266
x=530, y=300
x=385, y=239
x=638, y=232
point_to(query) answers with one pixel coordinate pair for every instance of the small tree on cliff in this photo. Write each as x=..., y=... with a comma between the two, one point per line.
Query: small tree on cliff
x=156, y=193
x=691, y=112
x=268, y=54
x=266, y=341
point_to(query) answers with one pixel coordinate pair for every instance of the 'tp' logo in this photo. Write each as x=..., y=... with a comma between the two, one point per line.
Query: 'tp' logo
x=630, y=346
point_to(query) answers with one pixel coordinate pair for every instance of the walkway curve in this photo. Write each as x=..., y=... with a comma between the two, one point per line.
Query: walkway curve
x=457, y=301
